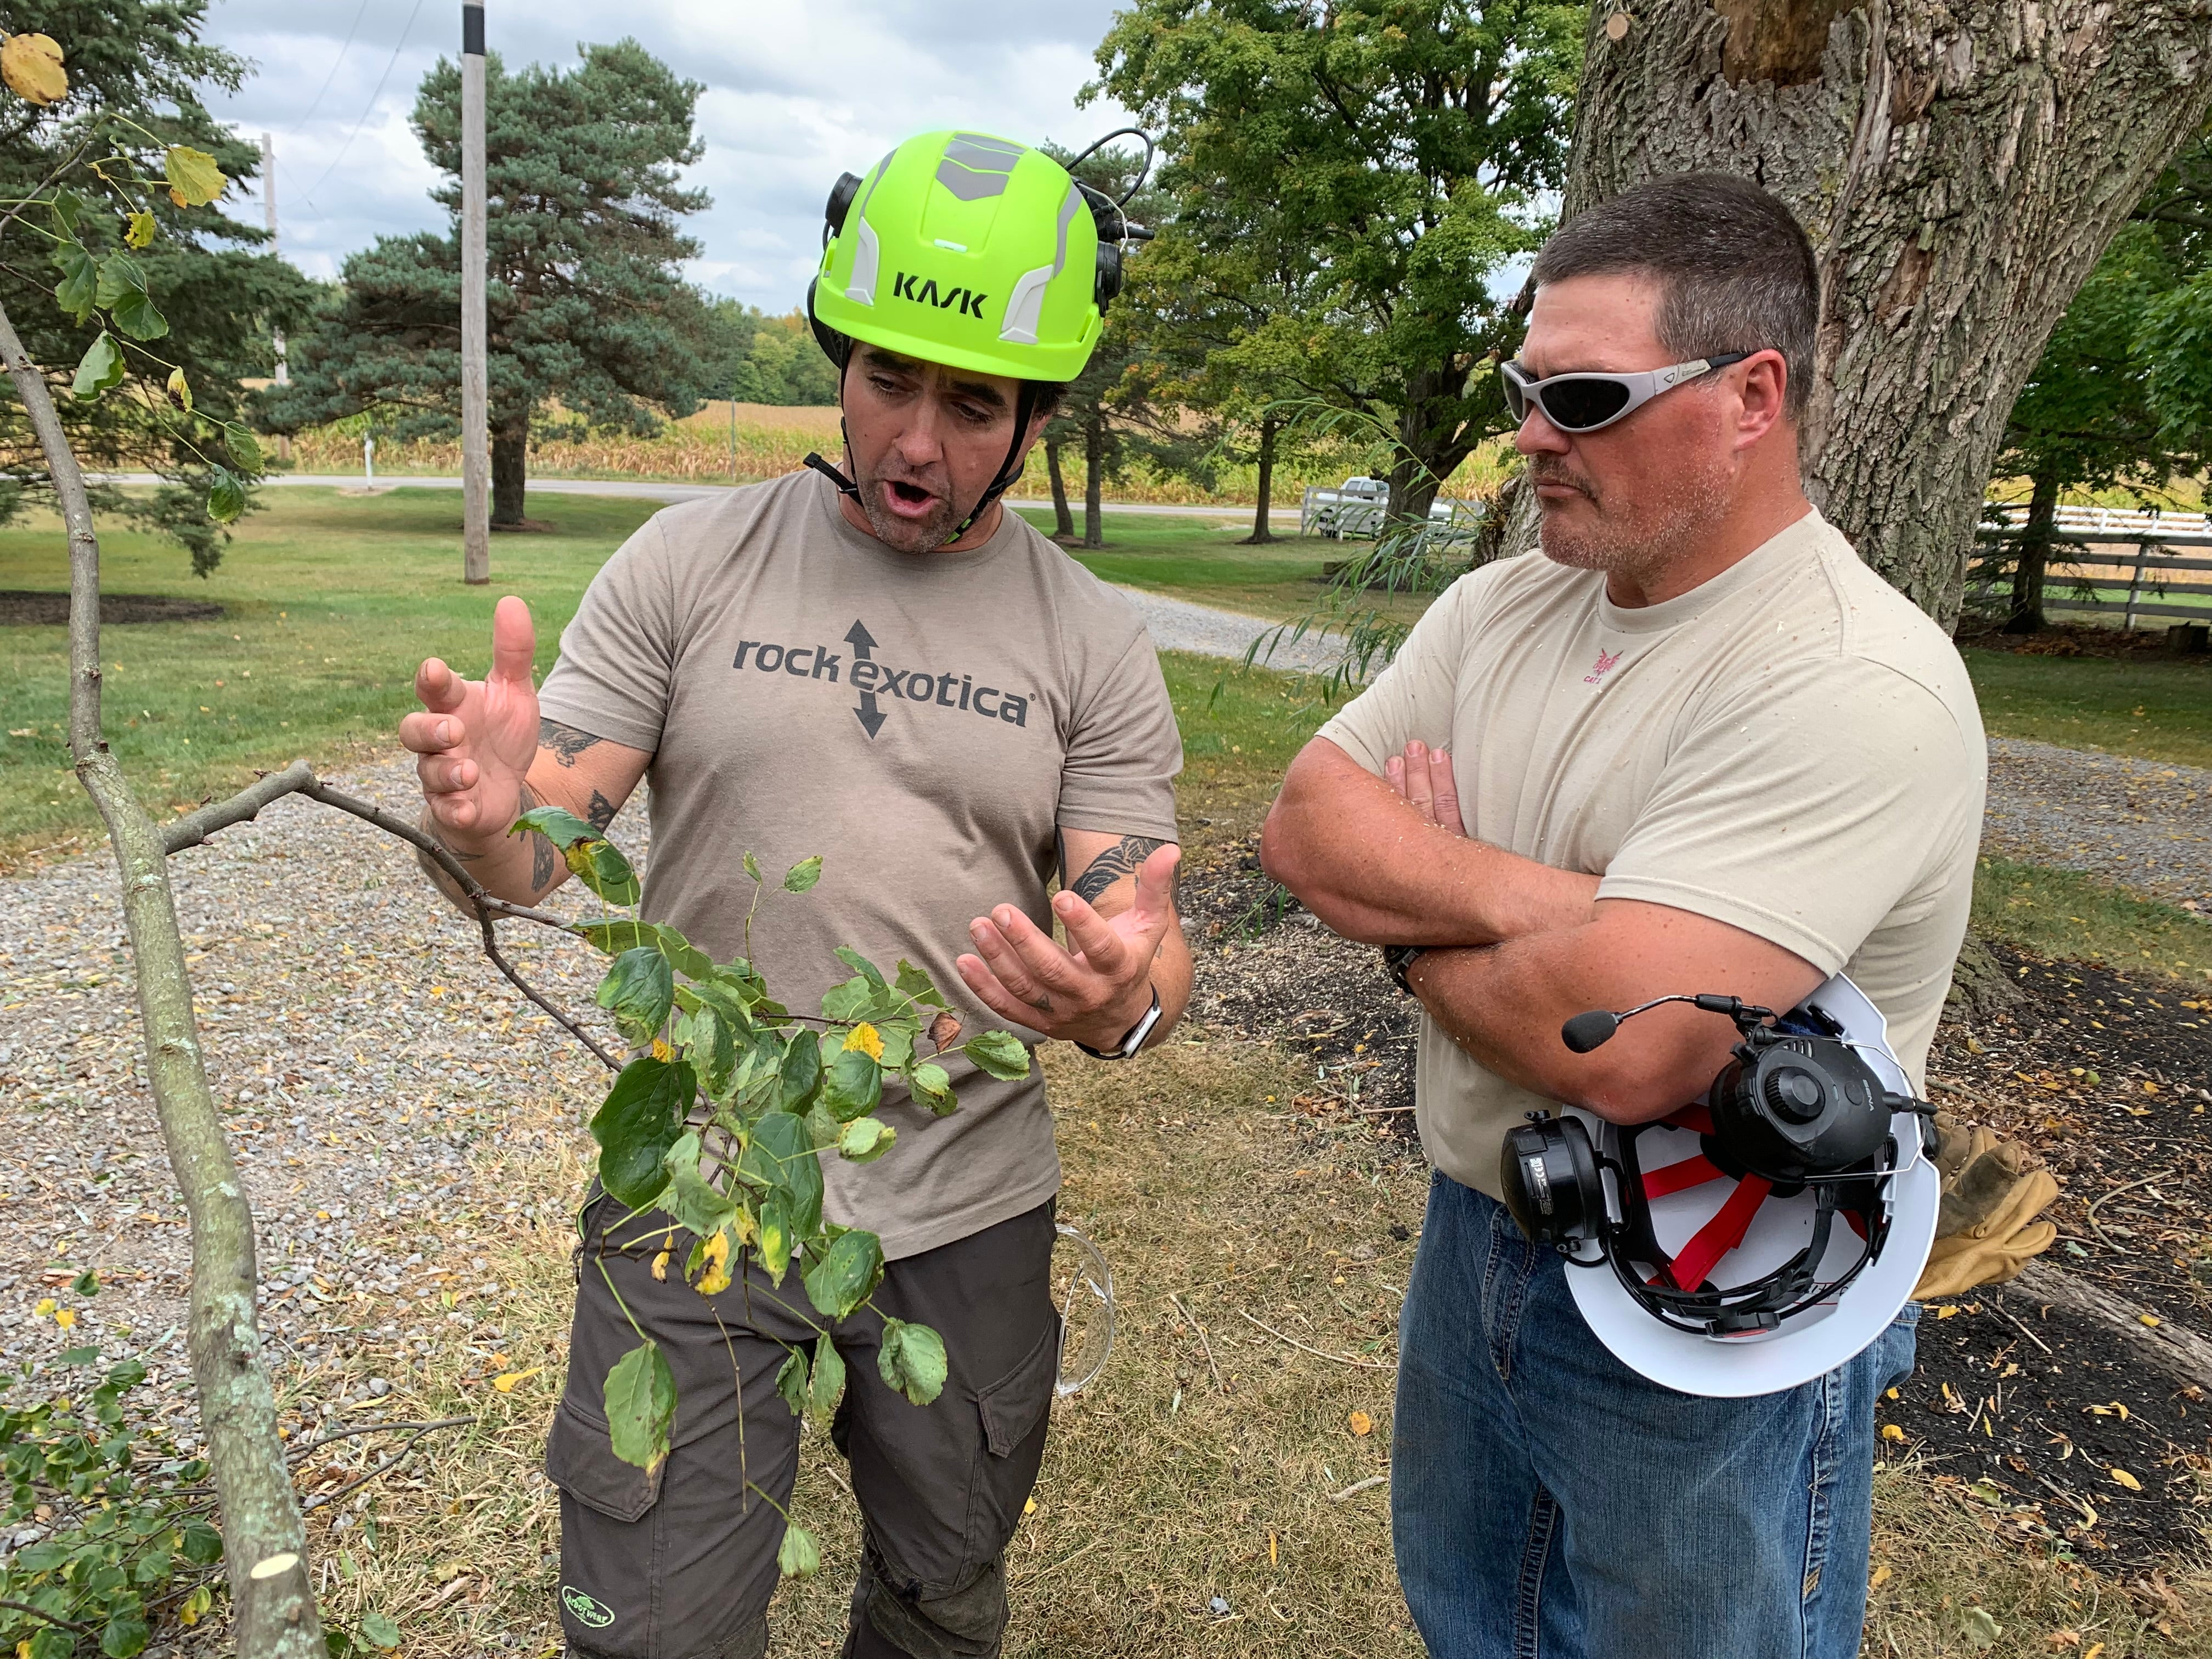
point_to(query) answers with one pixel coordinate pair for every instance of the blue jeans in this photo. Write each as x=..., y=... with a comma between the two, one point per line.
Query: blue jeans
x=1548, y=1503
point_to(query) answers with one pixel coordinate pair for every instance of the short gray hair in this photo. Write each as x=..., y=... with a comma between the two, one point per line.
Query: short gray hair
x=1734, y=270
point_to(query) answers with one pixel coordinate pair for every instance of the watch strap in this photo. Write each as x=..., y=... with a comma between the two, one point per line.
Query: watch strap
x=1128, y=1045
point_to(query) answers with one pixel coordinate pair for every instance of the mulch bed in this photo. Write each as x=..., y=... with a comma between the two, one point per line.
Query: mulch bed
x=20, y=607
x=2077, y=640
x=2022, y=1412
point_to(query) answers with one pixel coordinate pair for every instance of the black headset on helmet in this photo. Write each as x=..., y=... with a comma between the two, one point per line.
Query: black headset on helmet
x=1795, y=1108
x=1115, y=227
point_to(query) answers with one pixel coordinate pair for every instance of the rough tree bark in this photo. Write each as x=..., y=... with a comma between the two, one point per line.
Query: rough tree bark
x=510, y=473
x=1960, y=165
x=1063, y=522
x=1260, y=536
x=2031, y=558
x=264, y=1544
x=1094, y=477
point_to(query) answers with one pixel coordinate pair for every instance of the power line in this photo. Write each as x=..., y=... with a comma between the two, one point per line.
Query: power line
x=389, y=66
x=344, y=48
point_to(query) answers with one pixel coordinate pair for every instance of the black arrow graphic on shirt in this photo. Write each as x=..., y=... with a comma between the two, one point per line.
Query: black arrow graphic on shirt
x=870, y=716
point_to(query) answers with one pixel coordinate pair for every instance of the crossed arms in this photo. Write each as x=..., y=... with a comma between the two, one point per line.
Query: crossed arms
x=1516, y=947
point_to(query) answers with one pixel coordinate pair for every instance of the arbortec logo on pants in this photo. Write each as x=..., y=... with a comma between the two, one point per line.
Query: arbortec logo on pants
x=875, y=680
x=587, y=1609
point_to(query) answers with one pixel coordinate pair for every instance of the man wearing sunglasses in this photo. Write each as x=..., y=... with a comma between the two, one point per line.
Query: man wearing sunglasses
x=1696, y=746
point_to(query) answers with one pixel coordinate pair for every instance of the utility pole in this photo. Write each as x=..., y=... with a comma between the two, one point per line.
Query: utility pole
x=475, y=461
x=269, y=206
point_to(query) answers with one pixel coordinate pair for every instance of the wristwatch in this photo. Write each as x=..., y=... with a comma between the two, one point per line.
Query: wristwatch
x=1399, y=960
x=1127, y=1047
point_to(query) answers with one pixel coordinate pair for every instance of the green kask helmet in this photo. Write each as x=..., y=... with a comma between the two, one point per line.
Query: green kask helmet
x=970, y=251
x=976, y=252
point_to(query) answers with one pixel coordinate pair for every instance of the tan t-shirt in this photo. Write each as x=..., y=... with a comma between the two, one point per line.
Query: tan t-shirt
x=1793, y=749
x=925, y=722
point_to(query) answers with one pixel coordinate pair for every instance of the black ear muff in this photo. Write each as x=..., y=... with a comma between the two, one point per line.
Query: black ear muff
x=1109, y=273
x=1549, y=1172
x=841, y=203
x=835, y=345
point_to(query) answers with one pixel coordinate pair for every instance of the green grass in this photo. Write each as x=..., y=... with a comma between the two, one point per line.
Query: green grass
x=2077, y=918
x=329, y=601
x=2154, y=707
x=1198, y=559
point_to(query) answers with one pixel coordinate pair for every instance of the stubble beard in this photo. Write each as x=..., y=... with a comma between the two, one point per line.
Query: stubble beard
x=1639, y=542
x=923, y=535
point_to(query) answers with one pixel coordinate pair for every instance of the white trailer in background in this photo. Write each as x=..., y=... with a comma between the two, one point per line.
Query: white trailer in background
x=1358, y=506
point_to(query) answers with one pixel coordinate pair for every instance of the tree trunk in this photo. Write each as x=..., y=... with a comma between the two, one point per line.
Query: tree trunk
x=273, y=1606
x=510, y=474
x=1261, y=536
x=1434, y=437
x=1960, y=165
x=2031, y=558
x=1094, y=472
x=1063, y=522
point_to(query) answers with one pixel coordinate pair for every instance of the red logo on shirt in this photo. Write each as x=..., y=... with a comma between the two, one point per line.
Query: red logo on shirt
x=1605, y=662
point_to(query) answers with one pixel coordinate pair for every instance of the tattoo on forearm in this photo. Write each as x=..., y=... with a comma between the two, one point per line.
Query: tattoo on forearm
x=1110, y=866
x=544, y=862
x=565, y=741
x=601, y=813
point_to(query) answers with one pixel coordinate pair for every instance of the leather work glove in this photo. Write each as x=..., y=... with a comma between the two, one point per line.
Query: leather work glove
x=1986, y=1228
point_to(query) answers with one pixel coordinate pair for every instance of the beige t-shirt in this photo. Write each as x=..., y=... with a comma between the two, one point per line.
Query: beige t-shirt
x=927, y=723
x=1793, y=749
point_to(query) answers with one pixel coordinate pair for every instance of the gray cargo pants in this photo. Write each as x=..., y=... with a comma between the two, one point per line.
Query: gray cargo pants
x=679, y=1564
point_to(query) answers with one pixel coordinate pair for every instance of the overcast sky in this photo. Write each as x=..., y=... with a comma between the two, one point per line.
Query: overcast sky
x=797, y=91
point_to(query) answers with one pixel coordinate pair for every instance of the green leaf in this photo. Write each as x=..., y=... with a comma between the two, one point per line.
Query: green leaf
x=802, y=1071
x=853, y=1086
x=245, y=448
x=865, y=1139
x=780, y=1153
x=336, y=1643
x=776, y=1238
x=709, y=1044
x=639, y=991
x=194, y=179
x=600, y=865
x=791, y=1383
x=638, y=1125
x=622, y=934
x=127, y=1634
x=1001, y=1053
x=203, y=1545
x=828, y=1380
x=557, y=825
x=931, y=1085
x=911, y=1358
x=53, y=1643
x=68, y=208
x=379, y=1630
x=802, y=876
x=852, y=1000
x=797, y=1557
x=86, y=1282
x=695, y=1202
x=752, y=867
x=641, y=1401
x=226, y=495
x=919, y=986
x=898, y=1037
x=78, y=290
x=860, y=965
x=136, y=316
x=99, y=368
x=839, y=1280
x=120, y=276
x=78, y=1356
x=141, y=232
x=823, y=1130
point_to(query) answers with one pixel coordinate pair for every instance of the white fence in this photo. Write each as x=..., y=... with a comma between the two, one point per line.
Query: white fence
x=2158, y=569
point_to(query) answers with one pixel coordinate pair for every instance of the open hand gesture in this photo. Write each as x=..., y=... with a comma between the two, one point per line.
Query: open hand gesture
x=477, y=738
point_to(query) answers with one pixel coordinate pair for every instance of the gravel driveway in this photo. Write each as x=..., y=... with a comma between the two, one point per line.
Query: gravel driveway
x=2143, y=824
x=1179, y=625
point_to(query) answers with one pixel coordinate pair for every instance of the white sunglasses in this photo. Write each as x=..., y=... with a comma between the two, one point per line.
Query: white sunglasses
x=1588, y=399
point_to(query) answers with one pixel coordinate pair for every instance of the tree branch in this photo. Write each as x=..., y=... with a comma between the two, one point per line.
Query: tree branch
x=194, y=828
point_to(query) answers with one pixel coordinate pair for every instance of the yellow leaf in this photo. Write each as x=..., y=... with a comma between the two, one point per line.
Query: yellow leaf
x=32, y=66
x=1946, y=1310
x=661, y=1050
x=2125, y=1479
x=46, y=1305
x=141, y=232
x=660, y=1265
x=1881, y=1577
x=181, y=390
x=1272, y=1556
x=1362, y=1424
x=194, y=179
x=865, y=1038
x=507, y=1381
x=1890, y=1432
x=1029, y=1506
x=66, y=1318
x=715, y=1279
x=2151, y=1319
x=2094, y=1651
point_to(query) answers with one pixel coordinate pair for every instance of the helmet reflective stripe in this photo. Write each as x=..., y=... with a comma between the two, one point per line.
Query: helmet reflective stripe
x=977, y=166
x=1026, y=304
x=867, y=252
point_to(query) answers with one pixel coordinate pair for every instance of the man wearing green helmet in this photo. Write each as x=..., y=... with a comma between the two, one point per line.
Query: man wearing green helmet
x=878, y=664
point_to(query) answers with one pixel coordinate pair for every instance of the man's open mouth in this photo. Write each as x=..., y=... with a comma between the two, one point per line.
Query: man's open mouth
x=909, y=498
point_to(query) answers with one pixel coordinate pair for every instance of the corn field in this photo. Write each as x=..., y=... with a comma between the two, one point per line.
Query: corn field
x=769, y=441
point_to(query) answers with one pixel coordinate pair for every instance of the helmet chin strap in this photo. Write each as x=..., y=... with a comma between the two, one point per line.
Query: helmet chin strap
x=1025, y=408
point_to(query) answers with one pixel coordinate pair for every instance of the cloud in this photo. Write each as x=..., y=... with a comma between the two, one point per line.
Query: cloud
x=796, y=92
